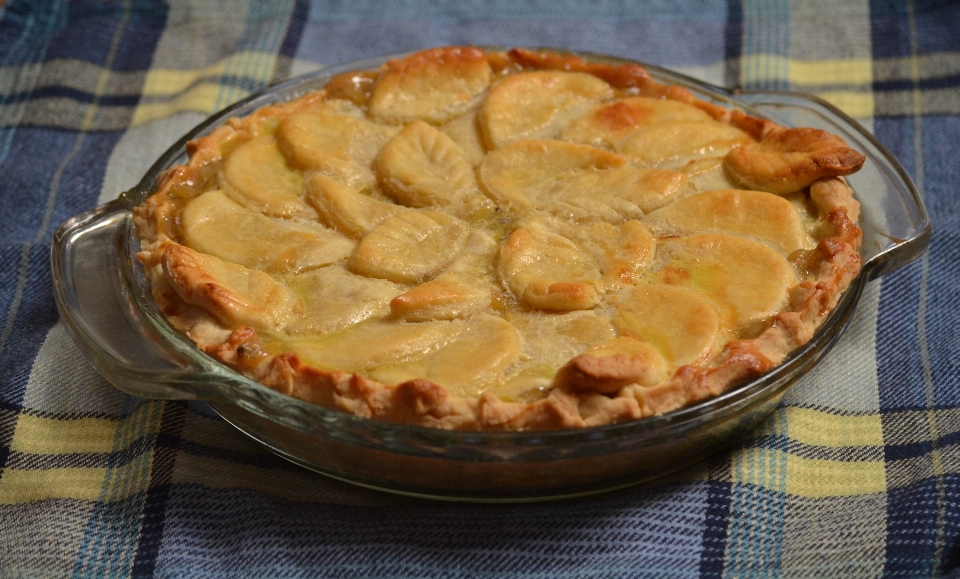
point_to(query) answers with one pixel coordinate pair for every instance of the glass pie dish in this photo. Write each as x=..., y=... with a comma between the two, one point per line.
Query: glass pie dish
x=119, y=328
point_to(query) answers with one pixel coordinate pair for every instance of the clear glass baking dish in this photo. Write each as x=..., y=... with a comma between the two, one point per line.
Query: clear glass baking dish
x=106, y=306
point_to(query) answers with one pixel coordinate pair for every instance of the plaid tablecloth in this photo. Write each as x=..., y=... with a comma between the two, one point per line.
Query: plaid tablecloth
x=856, y=474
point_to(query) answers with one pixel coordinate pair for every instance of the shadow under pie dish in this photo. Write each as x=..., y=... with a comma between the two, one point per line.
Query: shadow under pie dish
x=508, y=240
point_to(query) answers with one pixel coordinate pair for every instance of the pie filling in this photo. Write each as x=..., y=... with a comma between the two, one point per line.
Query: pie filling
x=519, y=240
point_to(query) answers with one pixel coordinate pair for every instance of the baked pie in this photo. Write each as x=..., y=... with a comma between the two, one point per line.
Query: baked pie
x=502, y=241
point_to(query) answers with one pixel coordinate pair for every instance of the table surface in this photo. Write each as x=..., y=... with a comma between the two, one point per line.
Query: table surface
x=857, y=473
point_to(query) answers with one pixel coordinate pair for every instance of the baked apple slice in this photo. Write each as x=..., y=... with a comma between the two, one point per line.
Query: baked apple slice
x=537, y=105
x=410, y=247
x=216, y=225
x=257, y=175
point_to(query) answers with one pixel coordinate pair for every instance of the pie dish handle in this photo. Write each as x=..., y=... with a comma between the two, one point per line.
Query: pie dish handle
x=94, y=281
x=896, y=227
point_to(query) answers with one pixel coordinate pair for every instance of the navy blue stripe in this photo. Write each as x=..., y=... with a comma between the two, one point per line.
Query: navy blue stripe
x=298, y=21
x=152, y=518
x=733, y=43
x=84, y=37
x=935, y=83
x=916, y=449
x=81, y=96
x=936, y=23
x=716, y=526
x=26, y=29
x=132, y=99
x=911, y=533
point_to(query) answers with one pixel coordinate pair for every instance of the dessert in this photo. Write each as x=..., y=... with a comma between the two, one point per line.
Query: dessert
x=502, y=241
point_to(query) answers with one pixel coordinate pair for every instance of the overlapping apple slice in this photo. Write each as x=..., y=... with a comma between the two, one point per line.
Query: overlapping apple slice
x=423, y=167
x=235, y=295
x=707, y=174
x=682, y=324
x=464, y=130
x=754, y=214
x=679, y=140
x=410, y=247
x=549, y=269
x=216, y=225
x=456, y=365
x=515, y=176
x=608, y=367
x=335, y=143
x=537, y=105
x=623, y=252
x=747, y=279
x=610, y=124
x=612, y=195
x=348, y=211
x=462, y=290
x=432, y=85
x=257, y=175
x=335, y=298
x=372, y=343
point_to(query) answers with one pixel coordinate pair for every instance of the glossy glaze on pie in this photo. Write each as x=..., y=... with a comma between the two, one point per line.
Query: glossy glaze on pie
x=519, y=240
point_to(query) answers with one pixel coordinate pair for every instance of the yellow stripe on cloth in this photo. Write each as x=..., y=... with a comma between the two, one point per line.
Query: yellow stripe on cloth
x=857, y=105
x=818, y=74
x=38, y=435
x=201, y=89
x=27, y=486
x=833, y=478
x=815, y=428
x=51, y=436
x=201, y=98
x=846, y=71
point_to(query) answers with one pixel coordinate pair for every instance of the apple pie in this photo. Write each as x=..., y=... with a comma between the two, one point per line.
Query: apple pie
x=519, y=240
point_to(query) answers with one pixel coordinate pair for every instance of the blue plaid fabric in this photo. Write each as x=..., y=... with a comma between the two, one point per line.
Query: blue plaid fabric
x=856, y=474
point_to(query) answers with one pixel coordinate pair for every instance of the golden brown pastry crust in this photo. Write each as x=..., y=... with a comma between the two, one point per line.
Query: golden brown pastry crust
x=617, y=380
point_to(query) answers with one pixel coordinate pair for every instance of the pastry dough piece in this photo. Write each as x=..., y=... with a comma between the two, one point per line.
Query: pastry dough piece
x=465, y=132
x=235, y=295
x=623, y=252
x=747, y=279
x=667, y=141
x=432, y=85
x=787, y=160
x=334, y=298
x=422, y=167
x=554, y=337
x=456, y=365
x=410, y=247
x=257, y=175
x=216, y=225
x=612, y=195
x=460, y=291
x=750, y=213
x=537, y=105
x=707, y=175
x=681, y=323
x=447, y=297
x=610, y=124
x=373, y=343
x=348, y=211
x=516, y=175
x=353, y=86
x=608, y=367
x=334, y=142
x=548, y=271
